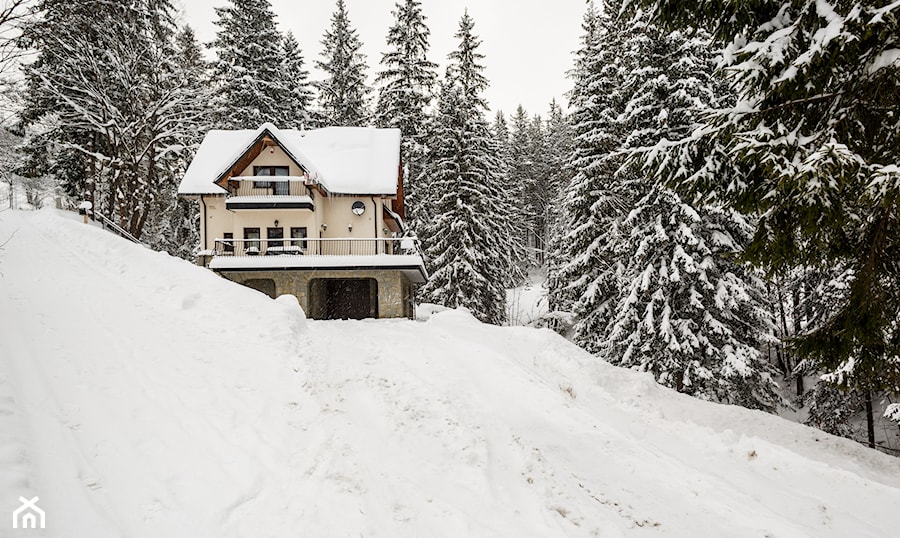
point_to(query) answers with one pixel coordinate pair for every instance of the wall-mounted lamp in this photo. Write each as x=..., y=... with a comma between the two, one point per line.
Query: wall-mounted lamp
x=385, y=231
x=349, y=227
x=276, y=223
x=324, y=227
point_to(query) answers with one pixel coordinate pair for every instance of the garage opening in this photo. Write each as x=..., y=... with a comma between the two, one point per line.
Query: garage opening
x=265, y=285
x=343, y=298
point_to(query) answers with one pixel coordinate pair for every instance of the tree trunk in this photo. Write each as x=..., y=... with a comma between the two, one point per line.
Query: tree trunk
x=797, y=329
x=870, y=421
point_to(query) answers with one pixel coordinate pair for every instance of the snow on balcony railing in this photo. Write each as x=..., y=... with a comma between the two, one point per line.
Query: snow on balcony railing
x=344, y=246
x=269, y=186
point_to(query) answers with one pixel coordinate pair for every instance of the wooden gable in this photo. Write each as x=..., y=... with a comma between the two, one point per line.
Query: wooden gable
x=265, y=140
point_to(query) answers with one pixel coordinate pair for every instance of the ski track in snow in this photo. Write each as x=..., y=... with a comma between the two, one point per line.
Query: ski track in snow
x=144, y=396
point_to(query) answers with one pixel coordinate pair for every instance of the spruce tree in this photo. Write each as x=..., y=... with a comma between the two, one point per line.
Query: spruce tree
x=815, y=139
x=585, y=281
x=468, y=240
x=343, y=95
x=405, y=85
x=248, y=66
x=296, y=113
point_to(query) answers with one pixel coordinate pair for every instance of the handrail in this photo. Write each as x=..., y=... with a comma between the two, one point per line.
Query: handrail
x=312, y=246
x=122, y=232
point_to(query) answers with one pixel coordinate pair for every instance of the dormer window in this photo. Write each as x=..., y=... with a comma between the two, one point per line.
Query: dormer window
x=269, y=171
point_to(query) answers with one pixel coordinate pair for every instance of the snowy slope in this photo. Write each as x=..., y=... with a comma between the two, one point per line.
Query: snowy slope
x=143, y=396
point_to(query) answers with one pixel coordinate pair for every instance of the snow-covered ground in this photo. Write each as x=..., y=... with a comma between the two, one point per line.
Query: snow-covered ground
x=527, y=303
x=143, y=396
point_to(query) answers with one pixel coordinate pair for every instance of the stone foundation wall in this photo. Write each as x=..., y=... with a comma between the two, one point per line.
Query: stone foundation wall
x=394, y=288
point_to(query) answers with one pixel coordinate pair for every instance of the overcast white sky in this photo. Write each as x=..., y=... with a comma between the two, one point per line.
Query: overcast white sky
x=528, y=44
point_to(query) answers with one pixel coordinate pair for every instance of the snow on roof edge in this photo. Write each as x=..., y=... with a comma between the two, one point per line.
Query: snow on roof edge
x=344, y=160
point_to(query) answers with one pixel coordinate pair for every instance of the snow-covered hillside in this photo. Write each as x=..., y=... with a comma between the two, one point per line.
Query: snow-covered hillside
x=141, y=396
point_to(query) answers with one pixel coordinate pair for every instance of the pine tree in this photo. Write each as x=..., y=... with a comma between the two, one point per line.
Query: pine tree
x=296, y=114
x=815, y=140
x=248, y=67
x=468, y=241
x=406, y=83
x=343, y=95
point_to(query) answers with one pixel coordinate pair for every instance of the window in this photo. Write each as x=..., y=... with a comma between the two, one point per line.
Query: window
x=228, y=244
x=298, y=233
x=270, y=171
x=271, y=235
x=252, y=243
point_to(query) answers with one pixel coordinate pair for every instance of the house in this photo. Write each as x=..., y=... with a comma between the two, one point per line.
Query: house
x=317, y=214
x=29, y=515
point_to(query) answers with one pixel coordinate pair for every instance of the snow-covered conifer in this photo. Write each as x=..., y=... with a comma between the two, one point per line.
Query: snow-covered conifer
x=814, y=137
x=468, y=240
x=343, y=95
x=405, y=85
x=584, y=280
x=296, y=114
x=248, y=66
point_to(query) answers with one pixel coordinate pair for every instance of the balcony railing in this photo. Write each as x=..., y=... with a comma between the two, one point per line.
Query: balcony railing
x=268, y=186
x=345, y=246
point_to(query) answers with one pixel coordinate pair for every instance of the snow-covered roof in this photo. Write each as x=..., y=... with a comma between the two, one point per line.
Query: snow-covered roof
x=344, y=160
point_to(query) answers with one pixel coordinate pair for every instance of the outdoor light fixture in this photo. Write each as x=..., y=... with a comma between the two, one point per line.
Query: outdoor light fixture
x=324, y=227
x=276, y=223
x=349, y=227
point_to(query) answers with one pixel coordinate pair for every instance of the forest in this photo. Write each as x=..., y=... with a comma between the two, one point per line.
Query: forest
x=716, y=203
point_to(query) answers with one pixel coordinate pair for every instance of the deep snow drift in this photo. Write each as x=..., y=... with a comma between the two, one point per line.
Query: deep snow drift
x=143, y=396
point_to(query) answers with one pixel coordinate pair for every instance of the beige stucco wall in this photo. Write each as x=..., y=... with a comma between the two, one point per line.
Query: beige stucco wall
x=394, y=288
x=333, y=211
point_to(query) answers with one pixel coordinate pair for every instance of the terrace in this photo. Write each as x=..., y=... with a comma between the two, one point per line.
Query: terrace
x=320, y=253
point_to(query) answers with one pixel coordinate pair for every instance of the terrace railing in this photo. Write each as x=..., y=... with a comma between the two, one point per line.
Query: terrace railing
x=344, y=246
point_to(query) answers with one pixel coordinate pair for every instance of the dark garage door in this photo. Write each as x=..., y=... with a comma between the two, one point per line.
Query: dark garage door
x=351, y=298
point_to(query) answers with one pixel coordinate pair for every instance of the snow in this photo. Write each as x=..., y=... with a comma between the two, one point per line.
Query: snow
x=354, y=160
x=527, y=304
x=269, y=199
x=345, y=160
x=367, y=260
x=141, y=395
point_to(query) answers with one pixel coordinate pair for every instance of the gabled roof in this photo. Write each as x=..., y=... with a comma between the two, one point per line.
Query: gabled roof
x=343, y=160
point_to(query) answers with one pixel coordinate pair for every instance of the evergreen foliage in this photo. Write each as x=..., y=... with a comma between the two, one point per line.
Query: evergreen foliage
x=583, y=280
x=815, y=138
x=658, y=291
x=296, y=114
x=406, y=83
x=107, y=89
x=343, y=95
x=248, y=69
x=468, y=240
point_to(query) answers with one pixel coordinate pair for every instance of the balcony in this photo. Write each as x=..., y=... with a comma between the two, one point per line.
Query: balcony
x=319, y=253
x=269, y=192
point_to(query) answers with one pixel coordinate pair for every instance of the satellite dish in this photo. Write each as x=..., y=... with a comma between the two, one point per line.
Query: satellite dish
x=358, y=208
